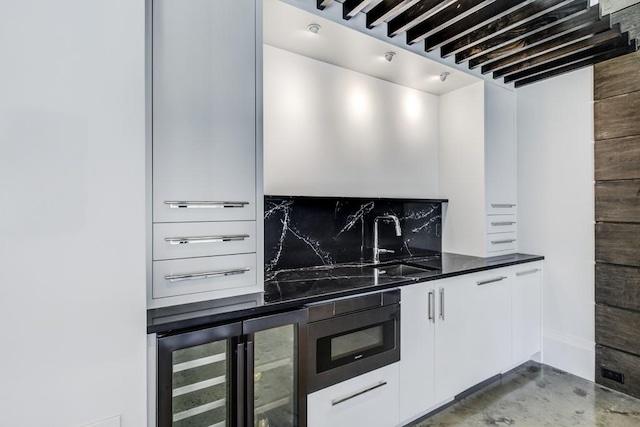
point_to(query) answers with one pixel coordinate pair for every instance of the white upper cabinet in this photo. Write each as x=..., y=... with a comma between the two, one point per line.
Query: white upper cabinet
x=204, y=110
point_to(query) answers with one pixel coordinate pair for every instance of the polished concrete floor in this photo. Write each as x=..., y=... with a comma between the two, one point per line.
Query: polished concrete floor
x=536, y=395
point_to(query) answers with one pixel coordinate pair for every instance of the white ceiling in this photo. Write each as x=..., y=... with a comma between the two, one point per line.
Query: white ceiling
x=285, y=27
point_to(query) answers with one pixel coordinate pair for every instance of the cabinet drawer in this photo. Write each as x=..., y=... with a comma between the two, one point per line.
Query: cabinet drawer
x=501, y=208
x=501, y=223
x=368, y=400
x=501, y=242
x=193, y=275
x=198, y=239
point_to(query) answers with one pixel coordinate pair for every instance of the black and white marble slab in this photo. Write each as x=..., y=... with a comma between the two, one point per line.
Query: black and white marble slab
x=305, y=232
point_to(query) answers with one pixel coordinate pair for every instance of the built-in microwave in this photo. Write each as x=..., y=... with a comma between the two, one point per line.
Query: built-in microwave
x=350, y=336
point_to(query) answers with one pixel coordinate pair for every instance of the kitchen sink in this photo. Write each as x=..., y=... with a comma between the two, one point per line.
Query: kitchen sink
x=400, y=269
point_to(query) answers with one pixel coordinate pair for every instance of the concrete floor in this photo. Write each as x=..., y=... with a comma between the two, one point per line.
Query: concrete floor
x=535, y=395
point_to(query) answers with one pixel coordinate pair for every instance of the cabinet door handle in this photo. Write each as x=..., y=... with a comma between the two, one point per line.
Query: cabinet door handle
x=205, y=205
x=207, y=275
x=500, y=242
x=431, y=302
x=502, y=205
x=240, y=387
x=340, y=400
x=441, y=303
x=524, y=273
x=250, y=384
x=496, y=279
x=502, y=223
x=205, y=239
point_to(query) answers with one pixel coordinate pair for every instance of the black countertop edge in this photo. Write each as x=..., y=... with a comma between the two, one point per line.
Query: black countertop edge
x=183, y=318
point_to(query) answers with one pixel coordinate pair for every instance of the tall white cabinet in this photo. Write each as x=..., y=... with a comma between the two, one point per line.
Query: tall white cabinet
x=477, y=158
x=206, y=149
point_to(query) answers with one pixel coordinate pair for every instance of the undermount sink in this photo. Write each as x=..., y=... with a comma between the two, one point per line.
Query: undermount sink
x=400, y=269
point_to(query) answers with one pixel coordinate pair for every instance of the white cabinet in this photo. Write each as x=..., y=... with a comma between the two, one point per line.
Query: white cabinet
x=490, y=323
x=205, y=150
x=460, y=331
x=453, y=345
x=526, y=312
x=477, y=169
x=371, y=400
x=417, y=351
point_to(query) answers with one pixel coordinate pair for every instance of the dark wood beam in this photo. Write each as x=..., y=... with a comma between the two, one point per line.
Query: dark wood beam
x=415, y=14
x=605, y=38
x=513, y=27
x=321, y=4
x=386, y=9
x=578, y=24
x=618, y=46
x=350, y=8
x=447, y=16
x=472, y=22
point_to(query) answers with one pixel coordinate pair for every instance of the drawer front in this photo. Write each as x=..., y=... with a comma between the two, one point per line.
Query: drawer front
x=501, y=242
x=498, y=208
x=194, y=275
x=368, y=400
x=501, y=223
x=199, y=239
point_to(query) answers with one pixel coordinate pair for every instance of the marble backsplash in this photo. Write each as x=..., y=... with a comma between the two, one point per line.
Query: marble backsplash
x=312, y=231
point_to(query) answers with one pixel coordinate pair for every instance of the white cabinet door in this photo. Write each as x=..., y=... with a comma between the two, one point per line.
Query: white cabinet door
x=526, y=315
x=368, y=400
x=204, y=110
x=500, y=148
x=417, y=350
x=490, y=337
x=453, y=373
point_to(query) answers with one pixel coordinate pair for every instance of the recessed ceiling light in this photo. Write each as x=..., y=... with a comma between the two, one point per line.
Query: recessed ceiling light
x=444, y=75
x=389, y=56
x=314, y=28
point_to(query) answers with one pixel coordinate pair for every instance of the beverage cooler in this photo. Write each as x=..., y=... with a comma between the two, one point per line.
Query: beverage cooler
x=248, y=373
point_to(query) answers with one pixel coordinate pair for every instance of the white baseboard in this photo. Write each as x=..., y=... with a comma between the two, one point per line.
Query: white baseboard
x=568, y=353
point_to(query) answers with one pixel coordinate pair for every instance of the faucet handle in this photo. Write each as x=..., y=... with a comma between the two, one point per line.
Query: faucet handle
x=386, y=251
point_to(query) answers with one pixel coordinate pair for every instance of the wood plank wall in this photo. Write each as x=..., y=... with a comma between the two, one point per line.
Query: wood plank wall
x=617, y=211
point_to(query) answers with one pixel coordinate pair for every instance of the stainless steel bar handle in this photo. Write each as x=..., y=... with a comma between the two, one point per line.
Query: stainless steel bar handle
x=500, y=242
x=496, y=279
x=431, y=301
x=441, y=303
x=340, y=400
x=205, y=205
x=207, y=275
x=502, y=223
x=502, y=205
x=205, y=239
x=240, y=387
x=524, y=273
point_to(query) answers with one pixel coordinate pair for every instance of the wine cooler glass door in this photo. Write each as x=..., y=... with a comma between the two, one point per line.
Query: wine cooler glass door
x=274, y=388
x=197, y=383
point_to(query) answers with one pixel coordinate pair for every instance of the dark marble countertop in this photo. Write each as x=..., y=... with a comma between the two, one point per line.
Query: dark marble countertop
x=288, y=289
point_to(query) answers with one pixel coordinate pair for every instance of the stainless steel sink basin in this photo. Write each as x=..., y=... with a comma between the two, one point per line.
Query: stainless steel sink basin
x=400, y=269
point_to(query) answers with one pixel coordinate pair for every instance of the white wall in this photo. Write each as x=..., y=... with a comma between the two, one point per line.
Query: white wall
x=329, y=131
x=556, y=211
x=72, y=213
x=461, y=172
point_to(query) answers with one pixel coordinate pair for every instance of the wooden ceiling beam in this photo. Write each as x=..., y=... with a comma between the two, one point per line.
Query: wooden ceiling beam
x=610, y=54
x=489, y=13
x=350, y=8
x=415, y=14
x=321, y=4
x=579, y=24
x=448, y=16
x=387, y=9
x=538, y=16
x=621, y=42
x=573, y=48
